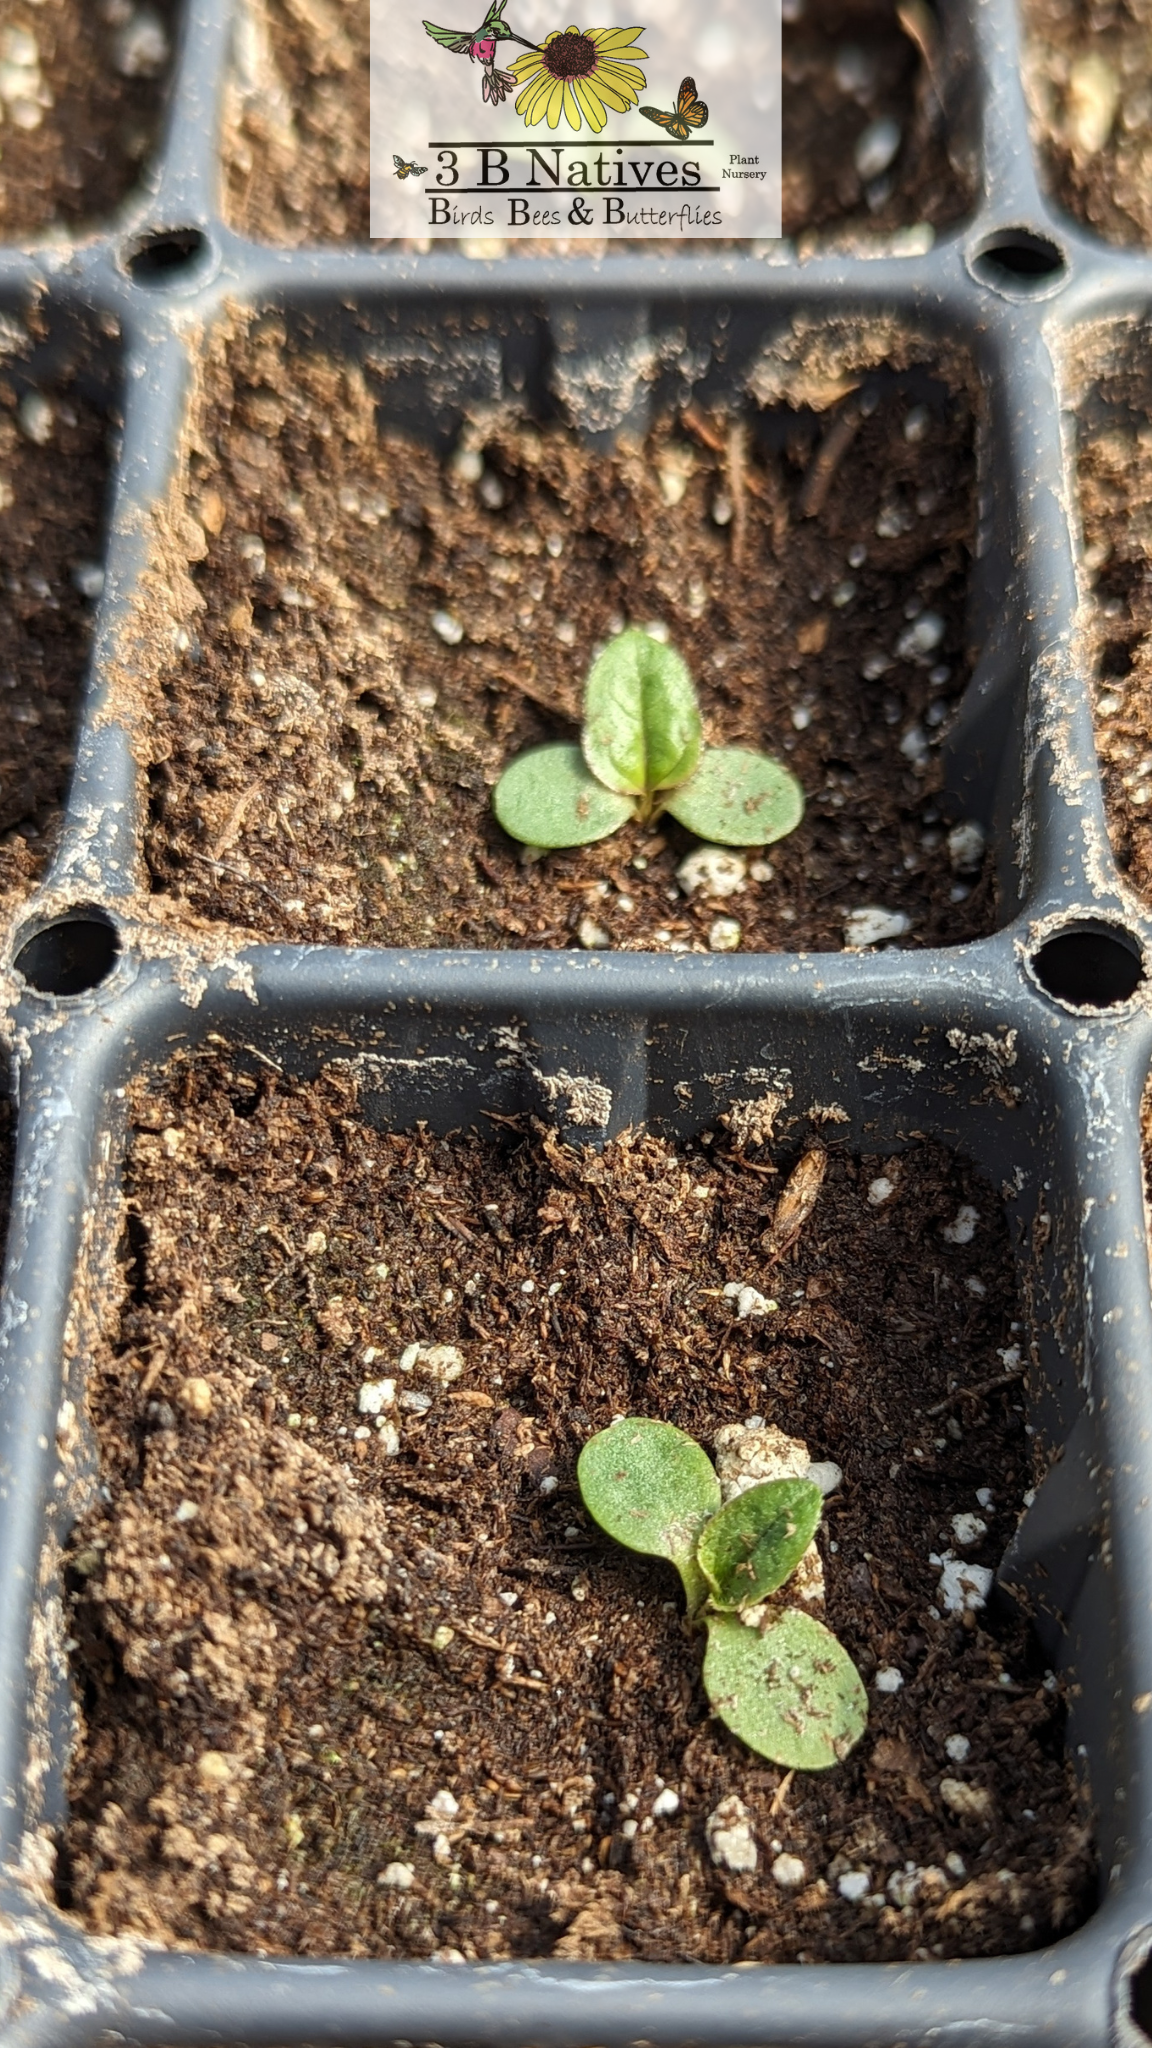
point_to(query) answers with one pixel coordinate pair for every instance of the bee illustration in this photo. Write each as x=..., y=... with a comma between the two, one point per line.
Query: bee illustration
x=404, y=170
x=690, y=112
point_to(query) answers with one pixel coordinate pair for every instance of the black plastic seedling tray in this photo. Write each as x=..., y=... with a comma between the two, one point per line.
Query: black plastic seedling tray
x=1028, y=1051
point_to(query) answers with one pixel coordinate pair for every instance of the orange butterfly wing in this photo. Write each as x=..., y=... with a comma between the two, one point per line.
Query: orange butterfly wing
x=692, y=112
x=662, y=120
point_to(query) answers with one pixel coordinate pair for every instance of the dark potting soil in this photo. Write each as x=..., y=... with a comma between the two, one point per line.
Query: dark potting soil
x=53, y=477
x=381, y=631
x=1088, y=69
x=383, y=1690
x=847, y=64
x=82, y=97
x=297, y=135
x=1115, y=478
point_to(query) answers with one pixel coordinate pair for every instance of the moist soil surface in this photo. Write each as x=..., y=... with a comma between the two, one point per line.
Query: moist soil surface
x=309, y=1650
x=1088, y=70
x=382, y=631
x=81, y=99
x=1115, y=477
x=52, y=492
x=297, y=136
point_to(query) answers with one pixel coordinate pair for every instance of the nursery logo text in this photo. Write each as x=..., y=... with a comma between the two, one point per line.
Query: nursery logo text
x=464, y=131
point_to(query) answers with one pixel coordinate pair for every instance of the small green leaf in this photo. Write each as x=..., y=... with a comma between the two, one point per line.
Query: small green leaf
x=757, y=1540
x=651, y=1488
x=739, y=798
x=548, y=798
x=641, y=718
x=792, y=1694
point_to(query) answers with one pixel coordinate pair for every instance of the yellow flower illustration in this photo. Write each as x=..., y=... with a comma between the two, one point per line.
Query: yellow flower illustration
x=580, y=72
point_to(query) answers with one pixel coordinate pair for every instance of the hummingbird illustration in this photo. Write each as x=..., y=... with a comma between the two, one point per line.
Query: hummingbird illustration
x=480, y=46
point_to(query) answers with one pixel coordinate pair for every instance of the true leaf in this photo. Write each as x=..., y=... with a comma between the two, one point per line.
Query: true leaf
x=757, y=1540
x=651, y=1488
x=792, y=1694
x=738, y=798
x=641, y=718
x=548, y=797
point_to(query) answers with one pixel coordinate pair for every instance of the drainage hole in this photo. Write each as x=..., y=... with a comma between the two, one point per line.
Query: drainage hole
x=164, y=257
x=1091, y=966
x=70, y=957
x=1018, y=261
x=1140, y=1994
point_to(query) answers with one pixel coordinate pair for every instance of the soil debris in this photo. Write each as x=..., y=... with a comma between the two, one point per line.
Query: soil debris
x=337, y=1700
x=799, y=1198
x=1088, y=70
x=82, y=90
x=1114, y=462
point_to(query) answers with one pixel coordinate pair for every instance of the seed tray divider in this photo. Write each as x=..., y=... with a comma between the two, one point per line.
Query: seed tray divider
x=188, y=191
x=1010, y=185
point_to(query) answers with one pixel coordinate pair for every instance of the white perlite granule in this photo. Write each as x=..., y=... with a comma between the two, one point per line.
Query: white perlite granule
x=712, y=871
x=728, y=1832
x=963, y=1586
x=871, y=926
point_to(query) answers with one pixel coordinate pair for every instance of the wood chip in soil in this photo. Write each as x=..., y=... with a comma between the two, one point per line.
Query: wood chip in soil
x=381, y=630
x=54, y=462
x=334, y=1700
x=296, y=134
x=82, y=88
x=1088, y=71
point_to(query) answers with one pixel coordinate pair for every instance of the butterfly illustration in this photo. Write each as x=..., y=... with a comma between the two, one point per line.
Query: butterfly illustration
x=404, y=170
x=690, y=112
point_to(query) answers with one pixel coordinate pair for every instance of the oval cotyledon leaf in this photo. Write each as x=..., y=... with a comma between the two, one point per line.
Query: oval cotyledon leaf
x=792, y=1693
x=651, y=1488
x=738, y=798
x=549, y=797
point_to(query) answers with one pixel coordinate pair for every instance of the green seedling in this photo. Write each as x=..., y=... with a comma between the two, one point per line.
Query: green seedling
x=641, y=752
x=756, y=1541
x=785, y=1686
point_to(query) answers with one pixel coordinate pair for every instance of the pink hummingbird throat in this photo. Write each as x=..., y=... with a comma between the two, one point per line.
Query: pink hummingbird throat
x=497, y=84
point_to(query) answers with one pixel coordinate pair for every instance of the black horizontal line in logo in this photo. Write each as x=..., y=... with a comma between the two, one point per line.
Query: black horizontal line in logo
x=641, y=142
x=557, y=192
